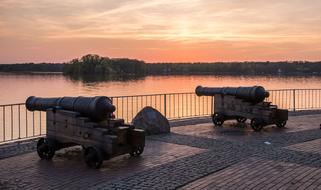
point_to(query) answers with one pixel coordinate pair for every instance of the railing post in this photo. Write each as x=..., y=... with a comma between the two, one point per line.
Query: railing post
x=165, y=105
x=4, y=123
x=293, y=99
x=212, y=105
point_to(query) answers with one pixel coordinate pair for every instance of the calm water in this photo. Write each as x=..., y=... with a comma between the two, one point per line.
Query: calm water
x=16, y=88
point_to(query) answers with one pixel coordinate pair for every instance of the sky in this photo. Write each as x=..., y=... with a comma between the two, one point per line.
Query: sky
x=160, y=30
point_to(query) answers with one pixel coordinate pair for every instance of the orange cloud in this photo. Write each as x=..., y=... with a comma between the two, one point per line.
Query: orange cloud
x=182, y=30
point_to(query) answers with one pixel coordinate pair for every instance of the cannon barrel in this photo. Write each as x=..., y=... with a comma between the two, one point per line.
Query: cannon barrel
x=254, y=94
x=98, y=107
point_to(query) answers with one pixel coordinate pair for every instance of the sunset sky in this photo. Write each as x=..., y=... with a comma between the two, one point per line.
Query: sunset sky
x=160, y=30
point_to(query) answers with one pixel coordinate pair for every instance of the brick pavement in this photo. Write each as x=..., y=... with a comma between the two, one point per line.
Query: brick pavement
x=192, y=157
x=258, y=173
x=68, y=171
x=309, y=146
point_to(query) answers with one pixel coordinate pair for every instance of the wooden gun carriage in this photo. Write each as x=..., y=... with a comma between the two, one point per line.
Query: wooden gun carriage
x=244, y=103
x=89, y=122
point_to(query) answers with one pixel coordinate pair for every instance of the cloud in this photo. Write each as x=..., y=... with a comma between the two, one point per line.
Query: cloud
x=182, y=22
x=170, y=20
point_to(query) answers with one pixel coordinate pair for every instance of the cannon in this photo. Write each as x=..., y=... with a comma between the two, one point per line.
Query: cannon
x=89, y=122
x=242, y=103
x=253, y=94
x=98, y=107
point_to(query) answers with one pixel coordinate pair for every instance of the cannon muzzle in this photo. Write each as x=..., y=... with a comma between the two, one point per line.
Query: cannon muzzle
x=254, y=94
x=99, y=107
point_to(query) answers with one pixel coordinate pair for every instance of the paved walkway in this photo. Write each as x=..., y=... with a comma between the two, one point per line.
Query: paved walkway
x=191, y=157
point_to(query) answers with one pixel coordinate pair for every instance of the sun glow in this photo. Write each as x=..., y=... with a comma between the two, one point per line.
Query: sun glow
x=183, y=30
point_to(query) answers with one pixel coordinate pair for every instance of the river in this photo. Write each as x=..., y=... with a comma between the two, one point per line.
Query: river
x=15, y=88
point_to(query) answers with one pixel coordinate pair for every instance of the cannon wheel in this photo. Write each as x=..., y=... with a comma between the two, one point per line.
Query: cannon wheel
x=136, y=151
x=241, y=119
x=280, y=124
x=256, y=124
x=218, y=119
x=93, y=157
x=46, y=148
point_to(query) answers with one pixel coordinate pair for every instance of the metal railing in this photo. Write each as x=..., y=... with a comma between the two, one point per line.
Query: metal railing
x=17, y=123
x=172, y=106
x=296, y=99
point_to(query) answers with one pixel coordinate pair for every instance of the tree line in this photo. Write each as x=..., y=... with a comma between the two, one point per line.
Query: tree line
x=103, y=66
x=32, y=67
x=238, y=68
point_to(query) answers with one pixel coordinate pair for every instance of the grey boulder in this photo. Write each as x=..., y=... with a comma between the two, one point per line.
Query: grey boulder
x=152, y=121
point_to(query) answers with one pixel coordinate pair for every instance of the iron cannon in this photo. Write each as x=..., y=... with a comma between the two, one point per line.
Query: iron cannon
x=98, y=107
x=242, y=103
x=253, y=94
x=89, y=122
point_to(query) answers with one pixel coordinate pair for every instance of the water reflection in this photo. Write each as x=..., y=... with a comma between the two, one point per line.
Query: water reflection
x=103, y=78
x=16, y=88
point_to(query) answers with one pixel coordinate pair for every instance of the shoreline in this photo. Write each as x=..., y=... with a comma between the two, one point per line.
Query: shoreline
x=167, y=74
